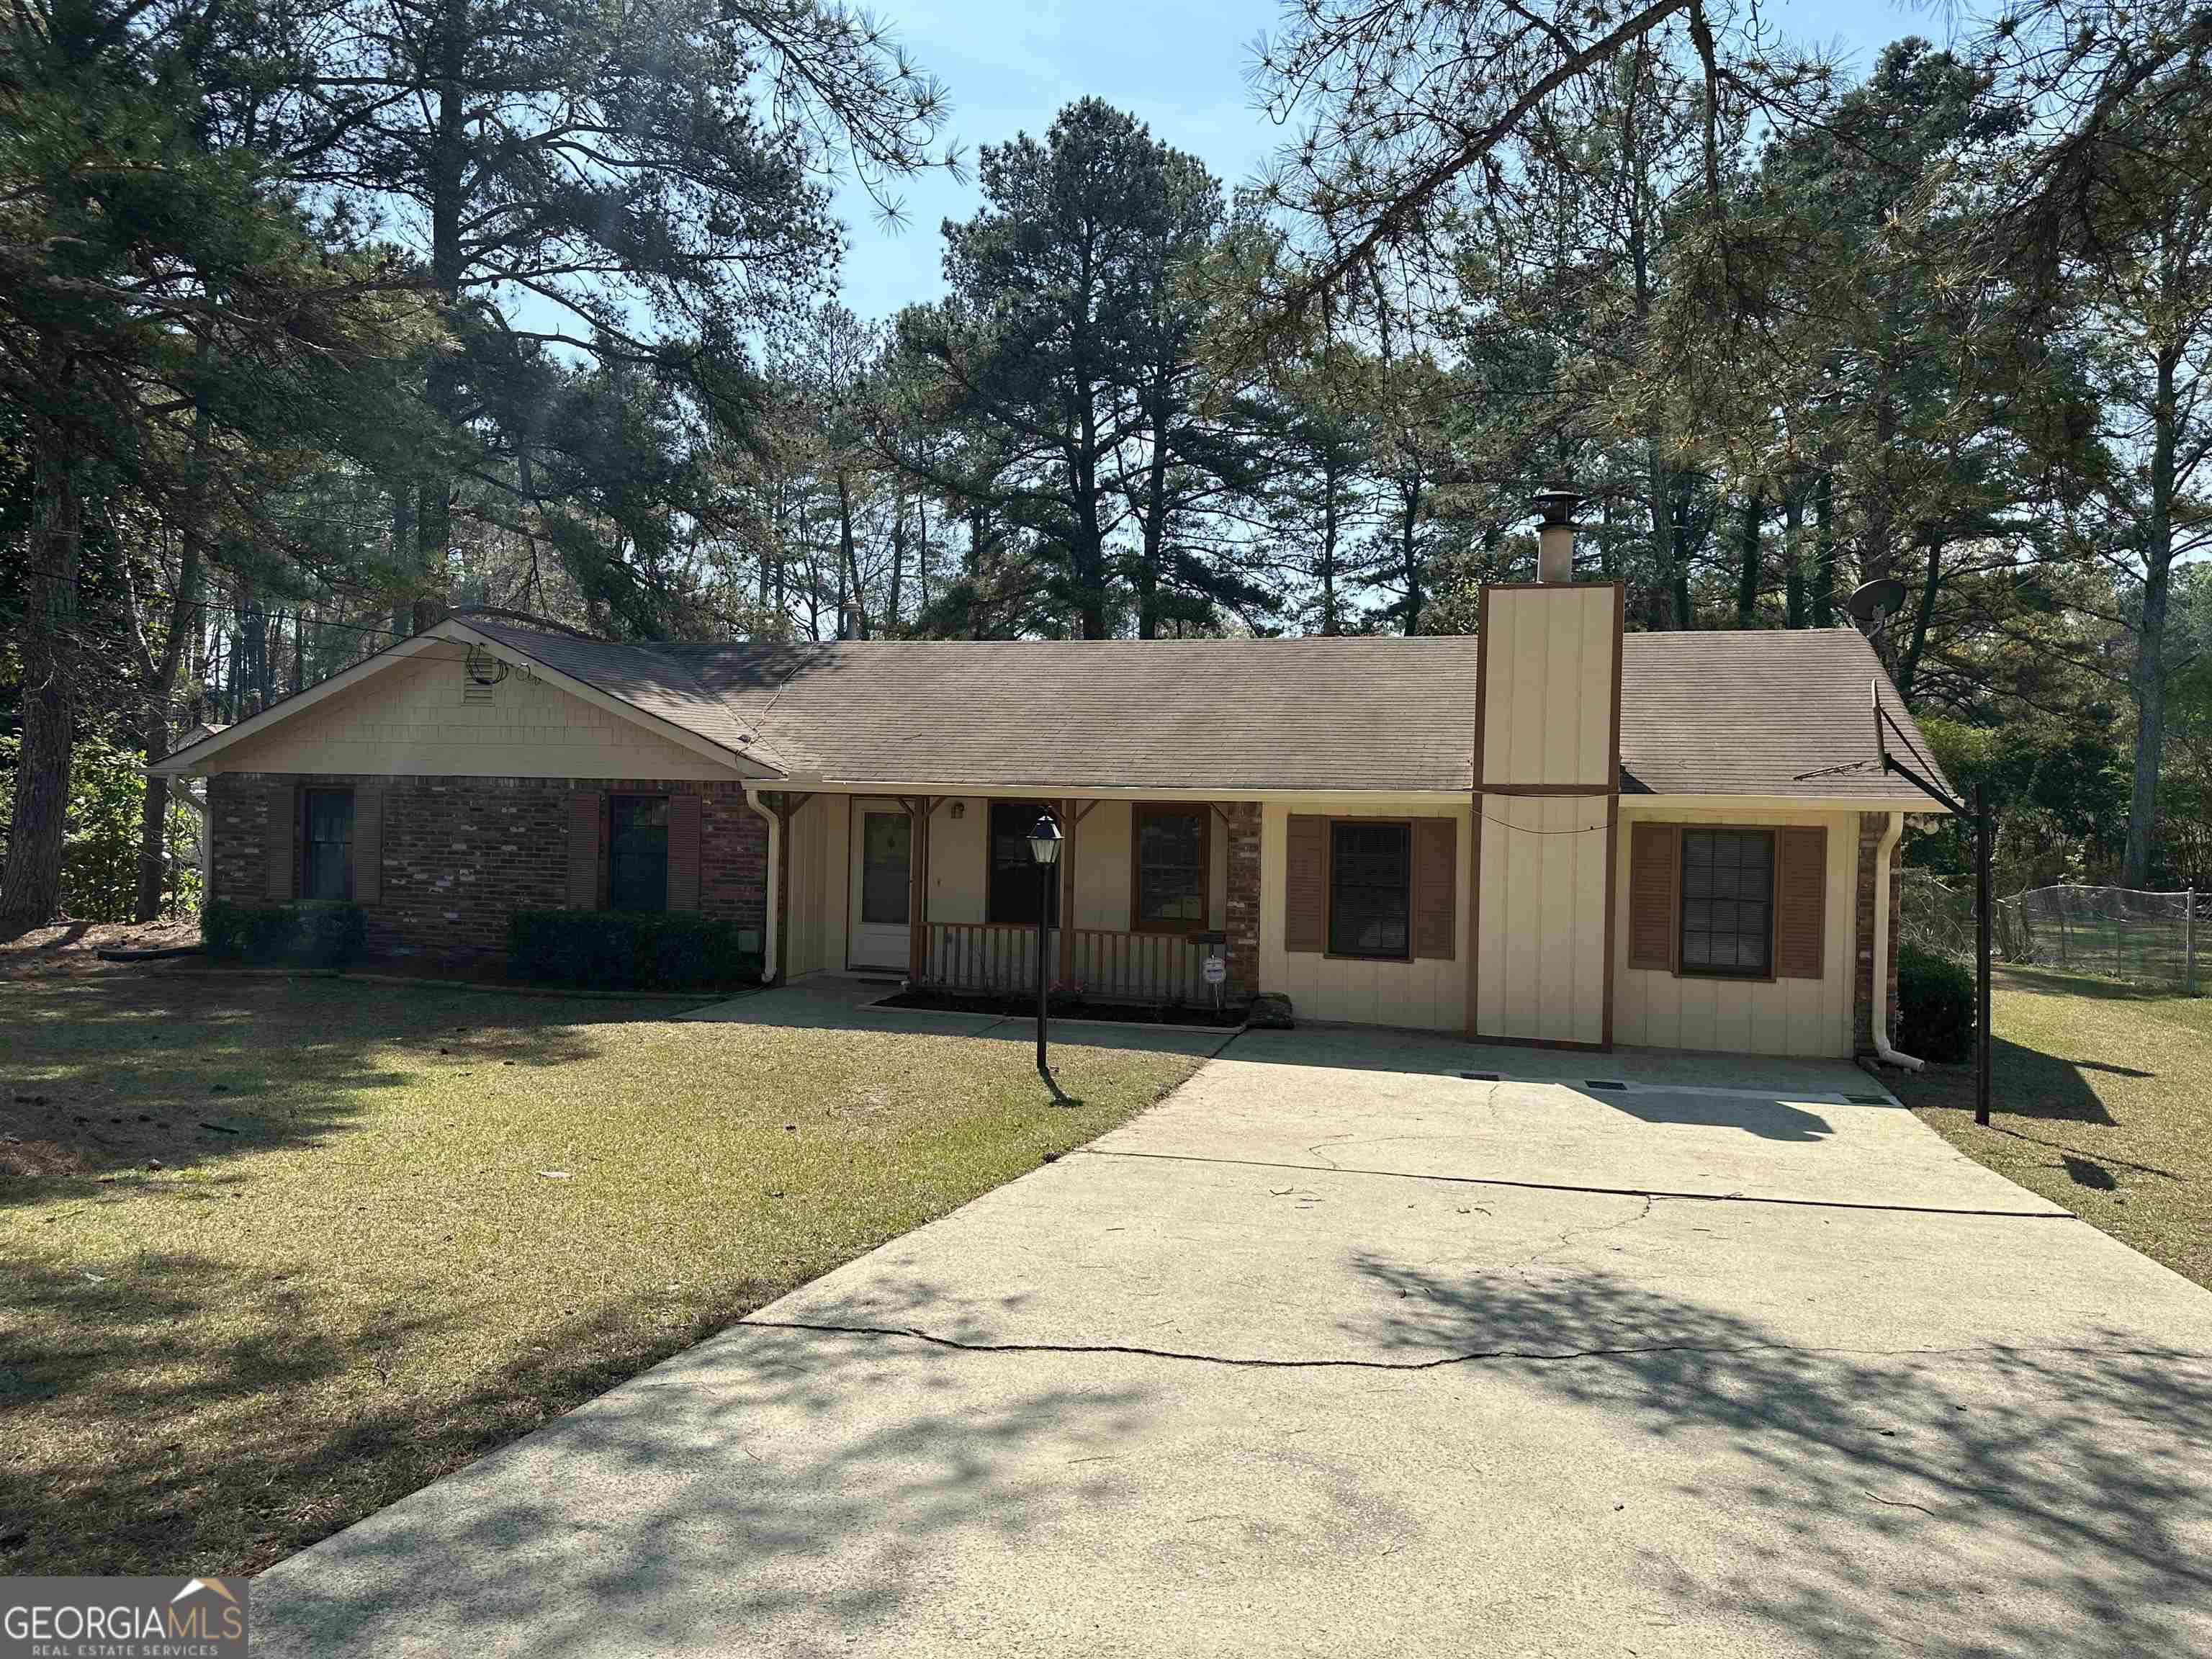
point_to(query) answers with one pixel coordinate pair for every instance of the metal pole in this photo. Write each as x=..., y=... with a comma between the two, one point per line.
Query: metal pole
x=2189, y=944
x=1983, y=1040
x=1045, y=874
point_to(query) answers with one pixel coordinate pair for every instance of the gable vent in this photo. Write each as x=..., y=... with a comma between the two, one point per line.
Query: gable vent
x=481, y=672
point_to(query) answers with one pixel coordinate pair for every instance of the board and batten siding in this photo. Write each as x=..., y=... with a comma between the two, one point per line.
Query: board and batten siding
x=412, y=721
x=1657, y=1008
x=1547, y=672
x=1427, y=993
x=1540, y=929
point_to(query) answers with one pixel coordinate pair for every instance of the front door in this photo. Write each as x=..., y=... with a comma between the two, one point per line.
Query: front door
x=883, y=886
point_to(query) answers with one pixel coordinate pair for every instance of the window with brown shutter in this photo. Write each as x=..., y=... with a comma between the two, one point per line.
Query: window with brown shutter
x=1653, y=856
x=684, y=852
x=1435, y=879
x=367, y=845
x=1801, y=903
x=1305, y=887
x=1728, y=903
x=280, y=841
x=584, y=849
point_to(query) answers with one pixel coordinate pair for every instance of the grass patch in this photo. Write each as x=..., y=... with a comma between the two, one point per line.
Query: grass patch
x=2102, y=1102
x=274, y=1253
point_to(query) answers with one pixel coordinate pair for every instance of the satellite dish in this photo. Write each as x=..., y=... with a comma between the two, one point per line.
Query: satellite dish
x=1875, y=602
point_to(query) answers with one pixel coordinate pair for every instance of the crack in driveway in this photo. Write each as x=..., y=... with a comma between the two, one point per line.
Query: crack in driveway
x=1540, y=1356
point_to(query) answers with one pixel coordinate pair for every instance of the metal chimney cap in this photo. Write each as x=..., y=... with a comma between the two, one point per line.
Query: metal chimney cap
x=1557, y=503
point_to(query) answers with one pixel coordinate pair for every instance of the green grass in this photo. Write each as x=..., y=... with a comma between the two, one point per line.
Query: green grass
x=217, y=1347
x=2102, y=1098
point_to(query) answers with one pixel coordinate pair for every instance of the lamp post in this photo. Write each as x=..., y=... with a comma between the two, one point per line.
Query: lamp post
x=1044, y=847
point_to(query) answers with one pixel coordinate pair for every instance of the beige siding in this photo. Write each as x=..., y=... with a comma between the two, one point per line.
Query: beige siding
x=410, y=721
x=1430, y=993
x=1541, y=922
x=813, y=948
x=1099, y=847
x=1548, y=668
x=1810, y=1017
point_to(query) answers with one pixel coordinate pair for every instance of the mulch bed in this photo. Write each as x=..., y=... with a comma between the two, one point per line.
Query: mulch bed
x=1017, y=1007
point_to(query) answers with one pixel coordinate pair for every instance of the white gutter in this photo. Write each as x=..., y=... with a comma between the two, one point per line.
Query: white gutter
x=1883, y=849
x=775, y=869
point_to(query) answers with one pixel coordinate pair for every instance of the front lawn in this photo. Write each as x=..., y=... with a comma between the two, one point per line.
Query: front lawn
x=275, y=1252
x=2102, y=1099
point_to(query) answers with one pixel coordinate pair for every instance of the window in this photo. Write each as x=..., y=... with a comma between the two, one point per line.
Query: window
x=637, y=852
x=1371, y=889
x=1728, y=902
x=1015, y=883
x=1172, y=858
x=326, y=844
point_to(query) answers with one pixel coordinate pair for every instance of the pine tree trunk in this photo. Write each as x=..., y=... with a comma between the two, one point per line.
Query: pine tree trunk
x=31, y=887
x=1752, y=568
x=1824, y=549
x=1793, y=557
x=2150, y=674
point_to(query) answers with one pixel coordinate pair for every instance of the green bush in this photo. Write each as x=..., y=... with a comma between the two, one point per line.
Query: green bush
x=332, y=934
x=1935, y=1006
x=616, y=950
x=323, y=935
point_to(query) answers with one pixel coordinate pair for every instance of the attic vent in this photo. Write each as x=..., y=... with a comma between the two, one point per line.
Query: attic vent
x=480, y=673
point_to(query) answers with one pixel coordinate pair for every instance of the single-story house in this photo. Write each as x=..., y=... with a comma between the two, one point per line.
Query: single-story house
x=1554, y=832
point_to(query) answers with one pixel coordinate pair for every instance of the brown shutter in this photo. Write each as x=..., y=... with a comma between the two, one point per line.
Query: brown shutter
x=684, y=852
x=1436, y=863
x=368, y=845
x=1654, y=850
x=1801, y=903
x=1305, y=887
x=584, y=849
x=281, y=842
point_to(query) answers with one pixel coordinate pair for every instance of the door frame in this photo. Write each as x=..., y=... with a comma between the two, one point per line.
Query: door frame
x=857, y=809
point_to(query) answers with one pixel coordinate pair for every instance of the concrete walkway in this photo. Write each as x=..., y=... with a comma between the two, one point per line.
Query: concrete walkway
x=1339, y=1352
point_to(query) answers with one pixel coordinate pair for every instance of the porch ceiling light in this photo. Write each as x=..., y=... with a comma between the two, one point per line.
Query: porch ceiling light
x=1044, y=840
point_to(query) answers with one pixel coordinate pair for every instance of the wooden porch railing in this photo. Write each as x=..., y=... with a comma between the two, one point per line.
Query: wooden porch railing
x=1122, y=966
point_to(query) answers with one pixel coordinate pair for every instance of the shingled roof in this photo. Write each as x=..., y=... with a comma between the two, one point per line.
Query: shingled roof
x=1767, y=714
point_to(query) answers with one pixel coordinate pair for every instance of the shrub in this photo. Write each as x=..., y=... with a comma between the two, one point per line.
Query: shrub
x=332, y=934
x=324, y=935
x=1935, y=1006
x=616, y=950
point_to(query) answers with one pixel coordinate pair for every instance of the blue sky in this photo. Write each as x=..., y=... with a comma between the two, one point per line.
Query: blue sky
x=1011, y=64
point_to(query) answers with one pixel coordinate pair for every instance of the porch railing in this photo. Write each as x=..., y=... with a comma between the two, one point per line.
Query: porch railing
x=1126, y=967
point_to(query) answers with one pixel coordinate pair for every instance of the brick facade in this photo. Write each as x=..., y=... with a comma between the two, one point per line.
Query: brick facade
x=1872, y=827
x=459, y=854
x=1241, y=909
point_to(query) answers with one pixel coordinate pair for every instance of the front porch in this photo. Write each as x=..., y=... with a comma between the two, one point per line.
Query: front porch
x=940, y=891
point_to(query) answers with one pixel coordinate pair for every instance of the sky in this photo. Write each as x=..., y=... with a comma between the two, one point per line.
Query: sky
x=1010, y=65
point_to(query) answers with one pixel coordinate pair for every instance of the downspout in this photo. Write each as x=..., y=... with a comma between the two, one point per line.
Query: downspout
x=1883, y=849
x=775, y=870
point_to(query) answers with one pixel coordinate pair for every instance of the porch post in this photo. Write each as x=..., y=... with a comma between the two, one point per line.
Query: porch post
x=1067, y=881
x=917, y=941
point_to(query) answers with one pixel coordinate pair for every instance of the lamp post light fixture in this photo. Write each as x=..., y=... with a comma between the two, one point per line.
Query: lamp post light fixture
x=1044, y=847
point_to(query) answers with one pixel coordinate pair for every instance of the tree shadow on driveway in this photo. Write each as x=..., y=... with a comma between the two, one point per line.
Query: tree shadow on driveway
x=1982, y=1499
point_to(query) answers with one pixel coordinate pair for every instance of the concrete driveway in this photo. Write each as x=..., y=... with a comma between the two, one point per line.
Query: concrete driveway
x=1339, y=1352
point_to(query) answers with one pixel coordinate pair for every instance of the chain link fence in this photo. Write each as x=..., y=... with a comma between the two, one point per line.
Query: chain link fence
x=2161, y=940
x=2157, y=939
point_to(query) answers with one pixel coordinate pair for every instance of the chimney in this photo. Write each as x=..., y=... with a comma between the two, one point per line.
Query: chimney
x=1555, y=537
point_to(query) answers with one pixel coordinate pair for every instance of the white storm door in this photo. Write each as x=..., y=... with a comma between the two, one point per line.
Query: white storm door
x=882, y=885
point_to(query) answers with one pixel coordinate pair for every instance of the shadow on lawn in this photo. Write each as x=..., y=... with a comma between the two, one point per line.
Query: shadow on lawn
x=182, y=1414
x=808, y=1489
x=114, y=1082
